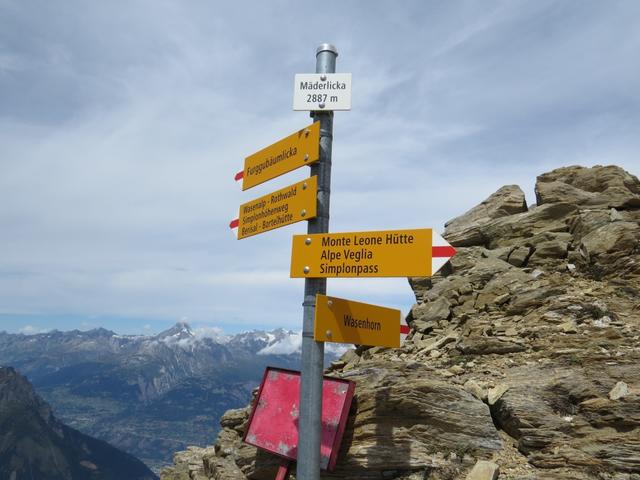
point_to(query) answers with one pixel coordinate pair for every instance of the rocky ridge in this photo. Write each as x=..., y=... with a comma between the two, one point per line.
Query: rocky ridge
x=523, y=357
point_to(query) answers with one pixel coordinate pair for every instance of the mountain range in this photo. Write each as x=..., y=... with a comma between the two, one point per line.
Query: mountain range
x=35, y=445
x=148, y=395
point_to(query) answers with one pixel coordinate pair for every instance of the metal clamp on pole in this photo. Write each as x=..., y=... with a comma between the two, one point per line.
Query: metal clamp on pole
x=310, y=427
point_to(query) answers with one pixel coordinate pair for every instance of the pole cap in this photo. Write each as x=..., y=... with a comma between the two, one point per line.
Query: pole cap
x=327, y=47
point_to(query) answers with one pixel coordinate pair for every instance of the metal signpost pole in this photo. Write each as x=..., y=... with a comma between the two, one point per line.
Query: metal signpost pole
x=313, y=352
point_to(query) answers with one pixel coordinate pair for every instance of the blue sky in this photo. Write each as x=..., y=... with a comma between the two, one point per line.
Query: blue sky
x=123, y=123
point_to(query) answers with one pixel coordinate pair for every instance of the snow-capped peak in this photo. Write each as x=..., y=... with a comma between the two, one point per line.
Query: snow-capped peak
x=284, y=344
x=179, y=331
x=287, y=342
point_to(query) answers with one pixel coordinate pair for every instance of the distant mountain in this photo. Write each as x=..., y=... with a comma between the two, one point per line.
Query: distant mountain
x=148, y=395
x=35, y=445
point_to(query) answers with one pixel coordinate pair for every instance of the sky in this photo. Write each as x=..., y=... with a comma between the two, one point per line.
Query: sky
x=123, y=123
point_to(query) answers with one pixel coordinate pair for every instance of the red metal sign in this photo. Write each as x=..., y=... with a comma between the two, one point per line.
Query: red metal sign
x=273, y=424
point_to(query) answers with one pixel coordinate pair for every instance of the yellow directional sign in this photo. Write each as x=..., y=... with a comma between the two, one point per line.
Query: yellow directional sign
x=345, y=321
x=283, y=207
x=389, y=253
x=294, y=151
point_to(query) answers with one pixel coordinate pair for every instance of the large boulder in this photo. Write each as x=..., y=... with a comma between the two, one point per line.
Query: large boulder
x=531, y=227
x=466, y=230
x=606, y=187
x=605, y=246
x=497, y=222
x=562, y=417
x=605, y=243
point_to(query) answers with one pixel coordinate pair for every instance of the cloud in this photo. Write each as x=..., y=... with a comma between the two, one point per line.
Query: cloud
x=292, y=343
x=215, y=333
x=32, y=330
x=122, y=128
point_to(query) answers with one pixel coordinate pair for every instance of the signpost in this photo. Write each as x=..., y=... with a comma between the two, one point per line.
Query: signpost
x=283, y=207
x=319, y=255
x=308, y=467
x=389, y=253
x=290, y=153
x=345, y=321
x=322, y=91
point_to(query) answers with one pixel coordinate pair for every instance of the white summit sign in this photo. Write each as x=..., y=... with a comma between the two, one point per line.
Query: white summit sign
x=322, y=91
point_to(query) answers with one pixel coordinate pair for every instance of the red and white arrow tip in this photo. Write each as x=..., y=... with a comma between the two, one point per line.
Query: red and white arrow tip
x=404, y=331
x=441, y=252
x=239, y=176
x=233, y=225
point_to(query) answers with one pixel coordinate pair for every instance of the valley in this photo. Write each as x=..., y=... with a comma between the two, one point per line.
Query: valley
x=147, y=395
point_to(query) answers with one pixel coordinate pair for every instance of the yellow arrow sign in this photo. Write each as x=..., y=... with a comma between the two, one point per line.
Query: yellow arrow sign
x=296, y=150
x=283, y=207
x=389, y=253
x=345, y=321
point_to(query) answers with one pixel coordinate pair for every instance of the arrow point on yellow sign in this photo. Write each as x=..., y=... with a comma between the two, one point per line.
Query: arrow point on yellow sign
x=345, y=321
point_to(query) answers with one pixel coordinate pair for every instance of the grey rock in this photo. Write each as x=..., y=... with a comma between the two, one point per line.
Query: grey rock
x=489, y=345
x=603, y=186
x=484, y=470
x=519, y=256
x=524, y=227
x=550, y=410
x=586, y=221
x=549, y=250
x=496, y=393
x=615, y=215
x=533, y=297
x=618, y=414
x=427, y=346
x=220, y=468
x=609, y=247
x=466, y=230
x=619, y=391
x=190, y=465
x=422, y=315
x=475, y=389
x=234, y=418
x=474, y=257
x=349, y=356
x=537, y=273
x=568, y=327
x=518, y=229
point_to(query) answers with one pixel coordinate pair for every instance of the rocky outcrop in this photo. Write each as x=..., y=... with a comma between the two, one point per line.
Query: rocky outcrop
x=523, y=356
x=464, y=230
x=597, y=187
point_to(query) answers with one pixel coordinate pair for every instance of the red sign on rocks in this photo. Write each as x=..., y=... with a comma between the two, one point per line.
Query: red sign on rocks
x=273, y=424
